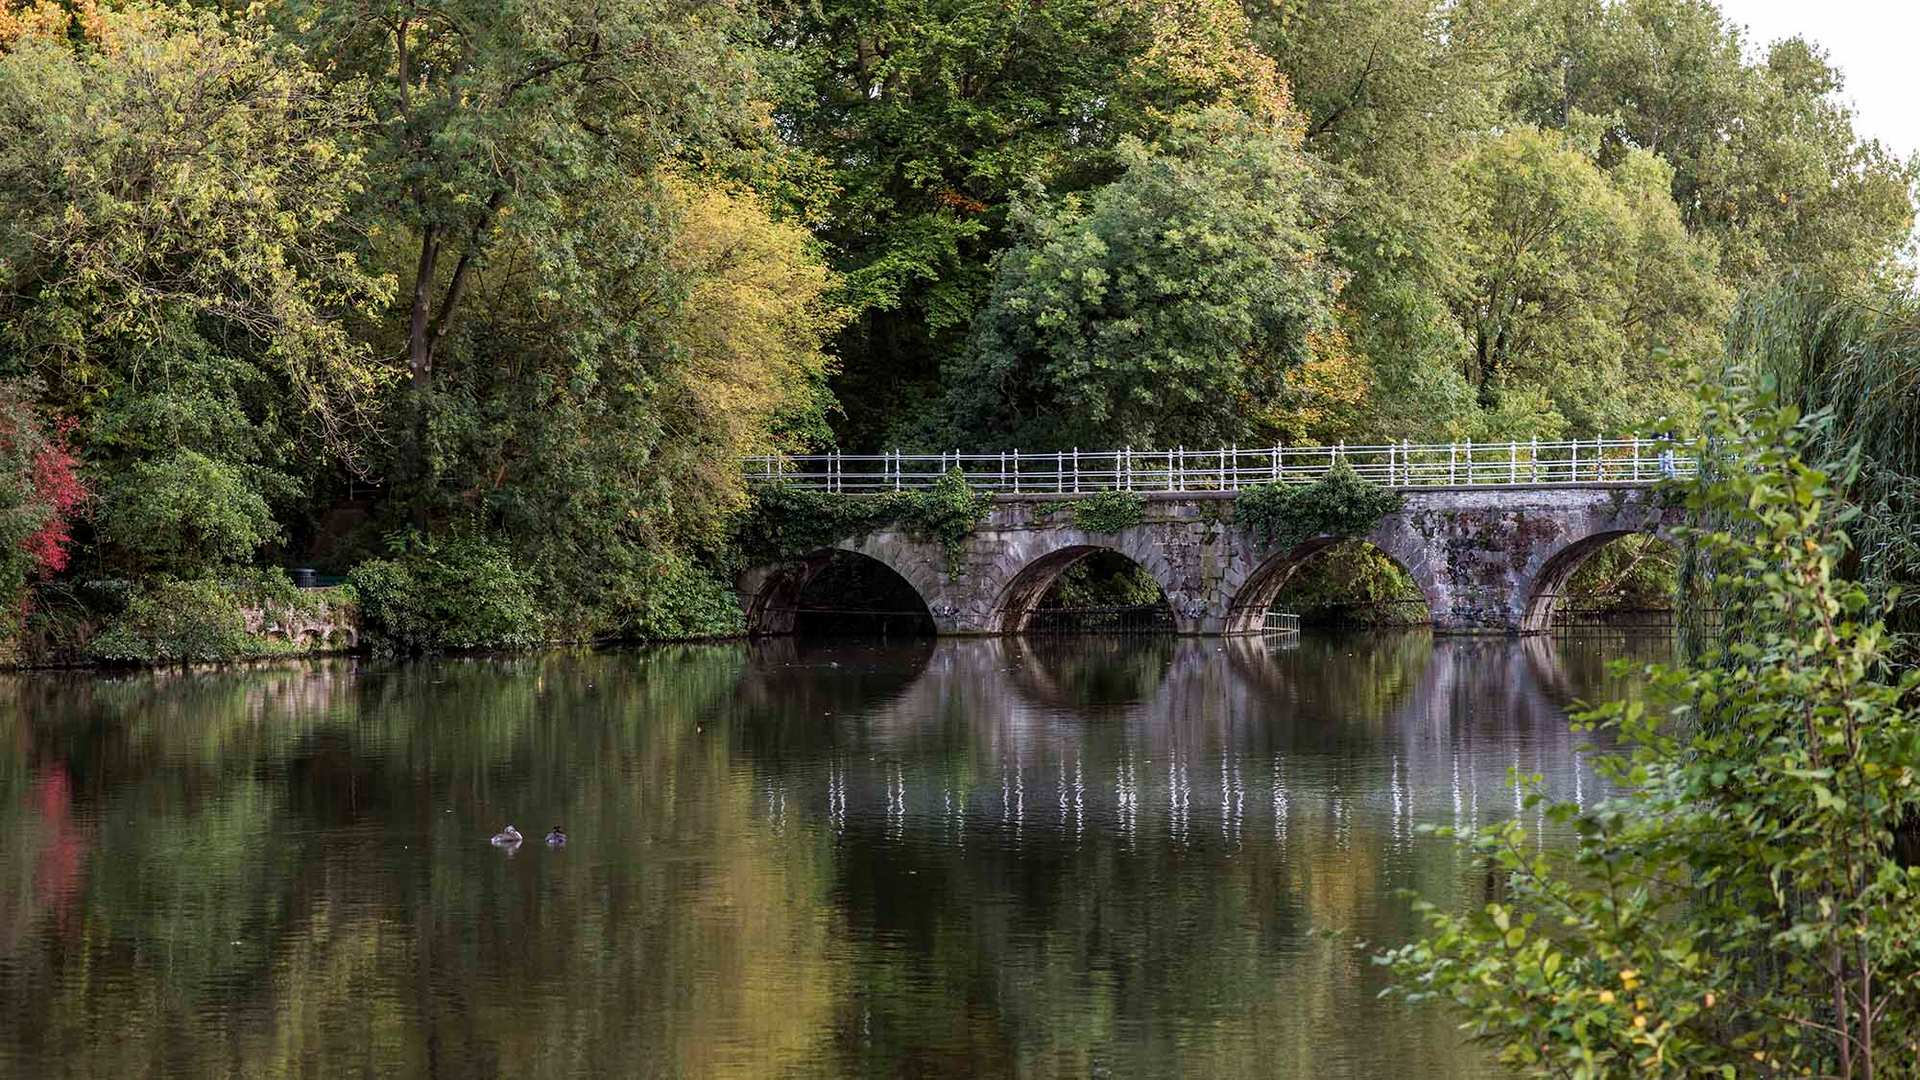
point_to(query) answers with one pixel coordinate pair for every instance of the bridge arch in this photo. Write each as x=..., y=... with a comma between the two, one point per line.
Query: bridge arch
x=777, y=600
x=1255, y=594
x=1020, y=597
x=1555, y=567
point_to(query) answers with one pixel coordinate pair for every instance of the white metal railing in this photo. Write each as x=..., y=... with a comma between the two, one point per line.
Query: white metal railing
x=1280, y=622
x=1631, y=460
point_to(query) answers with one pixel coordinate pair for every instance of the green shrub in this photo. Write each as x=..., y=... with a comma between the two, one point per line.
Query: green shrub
x=786, y=521
x=685, y=600
x=1109, y=511
x=1338, y=504
x=947, y=513
x=462, y=593
x=186, y=515
x=169, y=620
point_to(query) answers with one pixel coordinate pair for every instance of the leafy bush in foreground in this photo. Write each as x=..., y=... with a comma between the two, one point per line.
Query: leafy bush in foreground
x=1742, y=908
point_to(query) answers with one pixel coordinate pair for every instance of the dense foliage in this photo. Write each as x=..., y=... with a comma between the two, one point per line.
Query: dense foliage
x=1166, y=306
x=463, y=593
x=1283, y=516
x=1855, y=356
x=295, y=283
x=785, y=521
x=1743, y=906
x=1109, y=511
x=1533, y=214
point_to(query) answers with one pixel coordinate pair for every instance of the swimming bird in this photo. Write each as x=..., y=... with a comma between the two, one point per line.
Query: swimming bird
x=510, y=837
x=557, y=838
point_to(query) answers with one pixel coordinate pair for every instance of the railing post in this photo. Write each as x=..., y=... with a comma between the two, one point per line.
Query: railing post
x=1406, y=461
x=1059, y=471
x=1126, y=469
x=1180, y=464
x=1513, y=462
x=1276, y=463
x=1636, y=459
x=1016, y=470
x=1573, y=464
x=1076, y=470
x=1453, y=463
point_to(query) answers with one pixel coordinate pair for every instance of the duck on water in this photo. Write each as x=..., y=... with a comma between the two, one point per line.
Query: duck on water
x=508, y=837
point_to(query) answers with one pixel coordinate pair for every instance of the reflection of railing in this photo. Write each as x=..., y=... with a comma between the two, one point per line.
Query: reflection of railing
x=1280, y=622
x=1573, y=617
x=1132, y=619
x=1631, y=460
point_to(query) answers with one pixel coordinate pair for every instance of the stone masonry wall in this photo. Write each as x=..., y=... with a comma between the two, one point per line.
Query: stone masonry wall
x=1488, y=560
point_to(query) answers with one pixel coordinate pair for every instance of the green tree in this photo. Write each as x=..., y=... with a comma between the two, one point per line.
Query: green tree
x=496, y=119
x=1580, y=288
x=1391, y=90
x=179, y=264
x=1764, y=155
x=934, y=115
x=1165, y=307
x=602, y=320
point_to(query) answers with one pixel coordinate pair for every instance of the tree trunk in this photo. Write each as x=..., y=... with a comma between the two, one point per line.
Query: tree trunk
x=419, y=343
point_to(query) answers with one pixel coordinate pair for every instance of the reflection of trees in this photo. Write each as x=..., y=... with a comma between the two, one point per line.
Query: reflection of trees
x=306, y=877
x=1089, y=674
x=286, y=865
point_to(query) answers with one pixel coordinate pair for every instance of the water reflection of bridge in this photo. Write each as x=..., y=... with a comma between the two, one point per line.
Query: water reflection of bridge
x=1011, y=737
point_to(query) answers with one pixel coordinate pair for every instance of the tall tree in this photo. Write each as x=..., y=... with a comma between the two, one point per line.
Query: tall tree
x=597, y=323
x=934, y=114
x=1166, y=307
x=1764, y=153
x=497, y=114
x=1582, y=290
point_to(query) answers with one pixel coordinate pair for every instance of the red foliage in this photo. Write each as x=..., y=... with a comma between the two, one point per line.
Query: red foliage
x=58, y=487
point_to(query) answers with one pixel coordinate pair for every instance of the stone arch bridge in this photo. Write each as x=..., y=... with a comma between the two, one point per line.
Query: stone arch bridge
x=1487, y=559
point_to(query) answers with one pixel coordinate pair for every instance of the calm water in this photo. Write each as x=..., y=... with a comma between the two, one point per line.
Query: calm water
x=1056, y=858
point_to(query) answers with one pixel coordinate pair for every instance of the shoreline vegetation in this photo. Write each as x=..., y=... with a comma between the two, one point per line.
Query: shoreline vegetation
x=479, y=308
